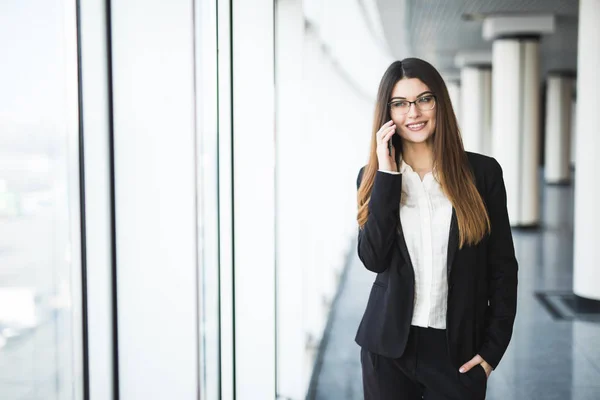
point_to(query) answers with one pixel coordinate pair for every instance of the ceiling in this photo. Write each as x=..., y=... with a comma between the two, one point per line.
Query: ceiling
x=436, y=30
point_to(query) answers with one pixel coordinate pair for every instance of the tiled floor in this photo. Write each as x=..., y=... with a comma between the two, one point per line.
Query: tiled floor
x=547, y=359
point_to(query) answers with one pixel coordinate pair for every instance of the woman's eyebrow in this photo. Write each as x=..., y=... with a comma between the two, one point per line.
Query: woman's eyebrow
x=419, y=95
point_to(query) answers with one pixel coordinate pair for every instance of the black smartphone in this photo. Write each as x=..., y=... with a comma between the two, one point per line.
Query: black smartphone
x=390, y=145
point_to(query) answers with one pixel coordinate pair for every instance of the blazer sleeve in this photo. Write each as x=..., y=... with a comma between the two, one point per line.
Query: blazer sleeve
x=377, y=237
x=503, y=267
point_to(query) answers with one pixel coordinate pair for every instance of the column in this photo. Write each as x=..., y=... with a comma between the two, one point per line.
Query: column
x=486, y=98
x=586, y=273
x=476, y=107
x=573, y=127
x=557, y=149
x=454, y=90
x=515, y=124
x=515, y=109
x=506, y=118
x=529, y=199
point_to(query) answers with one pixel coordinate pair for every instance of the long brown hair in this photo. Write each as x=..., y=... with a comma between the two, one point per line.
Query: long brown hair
x=449, y=158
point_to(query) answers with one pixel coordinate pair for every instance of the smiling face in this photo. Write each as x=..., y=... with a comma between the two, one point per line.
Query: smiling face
x=418, y=125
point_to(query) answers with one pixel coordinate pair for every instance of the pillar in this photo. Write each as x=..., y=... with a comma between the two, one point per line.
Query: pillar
x=476, y=107
x=506, y=118
x=515, y=124
x=486, y=98
x=573, y=127
x=454, y=90
x=529, y=196
x=586, y=273
x=515, y=109
x=558, y=128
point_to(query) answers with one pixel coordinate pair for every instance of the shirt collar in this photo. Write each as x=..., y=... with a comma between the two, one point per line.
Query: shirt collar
x=405, y=168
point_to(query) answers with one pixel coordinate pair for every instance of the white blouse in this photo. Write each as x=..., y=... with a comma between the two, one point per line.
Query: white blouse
x=425, y=214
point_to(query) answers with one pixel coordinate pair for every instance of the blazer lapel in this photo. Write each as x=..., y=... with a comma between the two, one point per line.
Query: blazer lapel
x=403, y=247
x=452, y=242
x=401, y=240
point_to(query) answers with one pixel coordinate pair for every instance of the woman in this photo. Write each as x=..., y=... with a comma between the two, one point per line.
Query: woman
x=434, y=227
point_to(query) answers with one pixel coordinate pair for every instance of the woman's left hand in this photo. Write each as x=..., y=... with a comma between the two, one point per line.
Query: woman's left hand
x=473, y=362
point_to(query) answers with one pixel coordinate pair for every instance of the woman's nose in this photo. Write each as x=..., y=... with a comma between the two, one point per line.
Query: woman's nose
x=413, y=111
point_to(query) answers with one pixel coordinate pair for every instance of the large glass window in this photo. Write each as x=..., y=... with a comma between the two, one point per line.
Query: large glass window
x=40, y=257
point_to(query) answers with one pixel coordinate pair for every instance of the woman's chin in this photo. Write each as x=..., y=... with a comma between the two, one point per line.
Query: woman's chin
x=416, y=137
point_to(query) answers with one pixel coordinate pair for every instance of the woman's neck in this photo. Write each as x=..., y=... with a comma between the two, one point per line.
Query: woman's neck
x=418, y=155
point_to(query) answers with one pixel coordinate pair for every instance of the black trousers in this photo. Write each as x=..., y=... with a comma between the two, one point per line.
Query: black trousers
x=423, y=372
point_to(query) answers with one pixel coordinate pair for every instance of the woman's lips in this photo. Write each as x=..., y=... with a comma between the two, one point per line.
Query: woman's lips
x=416, y=126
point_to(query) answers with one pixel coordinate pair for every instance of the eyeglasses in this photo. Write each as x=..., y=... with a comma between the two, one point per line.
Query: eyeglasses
x=401, y=107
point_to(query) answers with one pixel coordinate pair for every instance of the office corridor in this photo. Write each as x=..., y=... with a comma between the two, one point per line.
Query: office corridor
x=168, y=227
x=554, y=351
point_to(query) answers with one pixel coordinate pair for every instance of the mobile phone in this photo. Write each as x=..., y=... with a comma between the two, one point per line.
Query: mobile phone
x=390, y=145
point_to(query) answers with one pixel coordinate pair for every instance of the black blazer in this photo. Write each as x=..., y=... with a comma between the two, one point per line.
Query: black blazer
x=482, y=279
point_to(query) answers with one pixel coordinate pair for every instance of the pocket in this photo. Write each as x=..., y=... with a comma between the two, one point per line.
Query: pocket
x=374, y=360
x=485, y=376
x=475, y=379
x=369, y=359
x=481, y=371
x=479, y=381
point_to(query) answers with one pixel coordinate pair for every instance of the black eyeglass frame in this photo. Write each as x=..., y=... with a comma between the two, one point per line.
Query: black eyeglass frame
x=415, y=102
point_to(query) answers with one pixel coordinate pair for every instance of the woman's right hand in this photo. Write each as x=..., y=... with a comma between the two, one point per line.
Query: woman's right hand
x=387, y=162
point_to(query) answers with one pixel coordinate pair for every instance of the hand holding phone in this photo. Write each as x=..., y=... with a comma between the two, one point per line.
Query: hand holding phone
x=386, y=153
